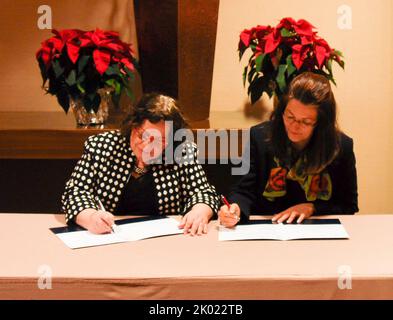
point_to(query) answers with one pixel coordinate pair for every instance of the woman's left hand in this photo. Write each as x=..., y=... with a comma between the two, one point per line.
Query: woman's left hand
x=300, y=211
x=197, y=219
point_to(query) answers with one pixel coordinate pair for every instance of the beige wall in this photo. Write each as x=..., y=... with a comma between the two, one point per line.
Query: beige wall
x=365, y=89
x=364, y=92
x=20, y=38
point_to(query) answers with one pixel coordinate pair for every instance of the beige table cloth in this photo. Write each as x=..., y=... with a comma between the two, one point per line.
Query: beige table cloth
x=199, y=267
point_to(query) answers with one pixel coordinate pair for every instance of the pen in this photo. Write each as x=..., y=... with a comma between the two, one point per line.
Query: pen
x=225, y=201
x=228, y=205
x=103, y=209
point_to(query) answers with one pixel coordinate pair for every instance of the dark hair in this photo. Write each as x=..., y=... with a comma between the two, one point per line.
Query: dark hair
x=310, y=89
x=154, y=107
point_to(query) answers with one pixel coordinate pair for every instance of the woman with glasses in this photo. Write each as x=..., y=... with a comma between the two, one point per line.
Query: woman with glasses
x=140, y=170
x=301, y=164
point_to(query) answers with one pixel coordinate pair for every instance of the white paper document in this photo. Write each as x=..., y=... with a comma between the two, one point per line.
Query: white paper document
x=124, y=231
x=266, y=230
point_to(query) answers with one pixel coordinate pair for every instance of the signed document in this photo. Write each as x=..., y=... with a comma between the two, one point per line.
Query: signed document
x=267, y=230
x=125, y=230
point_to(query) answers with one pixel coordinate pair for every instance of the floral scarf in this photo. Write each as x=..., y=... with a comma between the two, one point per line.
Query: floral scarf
x=318, y=186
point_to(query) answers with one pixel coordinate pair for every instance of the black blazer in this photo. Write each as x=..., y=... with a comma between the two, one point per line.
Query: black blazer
x=247, y=193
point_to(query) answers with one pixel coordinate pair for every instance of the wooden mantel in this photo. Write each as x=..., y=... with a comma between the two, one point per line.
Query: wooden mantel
x=54, y=135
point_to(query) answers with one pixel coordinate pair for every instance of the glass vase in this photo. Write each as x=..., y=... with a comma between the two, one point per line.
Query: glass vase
x=91, y=118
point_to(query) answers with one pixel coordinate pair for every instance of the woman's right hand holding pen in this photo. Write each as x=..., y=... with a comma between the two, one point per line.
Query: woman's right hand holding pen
x=95, y=221
x=229, y=214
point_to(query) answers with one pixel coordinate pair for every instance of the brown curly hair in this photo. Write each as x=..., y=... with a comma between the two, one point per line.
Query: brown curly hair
x=154, y=107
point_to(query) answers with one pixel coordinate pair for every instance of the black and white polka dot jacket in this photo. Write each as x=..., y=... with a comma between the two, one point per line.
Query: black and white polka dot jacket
x=106, y=164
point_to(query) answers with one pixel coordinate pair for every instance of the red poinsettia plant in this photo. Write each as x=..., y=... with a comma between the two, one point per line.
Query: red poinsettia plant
x=281, y=53
x=74, y=64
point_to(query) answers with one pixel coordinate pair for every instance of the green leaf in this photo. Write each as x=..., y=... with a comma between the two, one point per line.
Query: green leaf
x=336, y=56
x=290, y=66
x=242, y=49
x=92, y=101
x=112, y=70
x=82, y=62
x=117, y=86
x=328, y=75
x=110, y=82
x=251, y=74
x=71, y=79
x=44, y=75
x=259, y=61
x=256, y=89
x=339, y=53
x=81, y=78
x=329, y=65
x=57, y=68
x=281, y=77
x=286, y=33
x=251, y=60
x=64, y=99
x=130, y=74
x=245, y=75
x=268, y=89
x=136, y=64
x=80, y=88
x=125, y=80
x=341, y=63
x=54, y=86
x=129, y=93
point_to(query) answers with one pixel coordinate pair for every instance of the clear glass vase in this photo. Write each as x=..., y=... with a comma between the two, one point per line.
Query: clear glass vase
x=91, y=118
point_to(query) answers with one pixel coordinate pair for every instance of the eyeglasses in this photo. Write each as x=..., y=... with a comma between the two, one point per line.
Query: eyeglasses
x=144, y=136
x=302, y=123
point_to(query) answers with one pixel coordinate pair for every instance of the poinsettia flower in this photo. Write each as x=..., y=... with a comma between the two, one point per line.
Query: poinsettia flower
x=272, y=41
x=291, y=48
x=102, y=58
x=127, y=62
x=245, y=36
x=107, y=34
x=304, y=40
x=124, y=61
x=322, y=51
x=115, y=47
x=107, y=45
x=299, y=54
x=69, y=38
x=85, y=41
x=98, y=49
x=262, y=31
x=286, y=23
x=55, y=45
x=303, y=27
x=321, y=55
x=67, y=34
x=73, y=51
x=260, y=34
x=49, y=49
x=322, y=42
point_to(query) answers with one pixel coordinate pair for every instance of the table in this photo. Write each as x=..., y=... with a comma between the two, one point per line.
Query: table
x=185, y=267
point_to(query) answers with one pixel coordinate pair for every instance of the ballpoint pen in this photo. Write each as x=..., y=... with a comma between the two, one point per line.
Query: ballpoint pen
x=225, y=201
x=228, y=205
x=102, y=208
